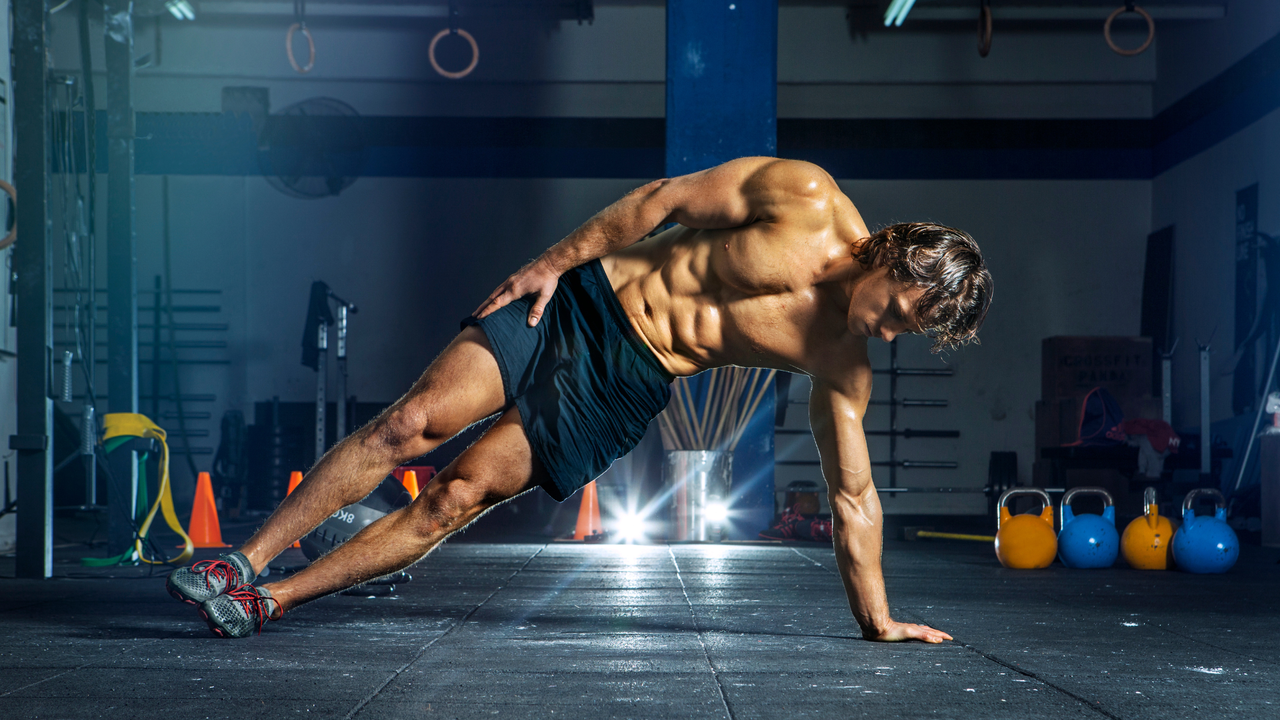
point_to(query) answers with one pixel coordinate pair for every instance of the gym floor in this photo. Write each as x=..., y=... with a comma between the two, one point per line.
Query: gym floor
x=659, y=631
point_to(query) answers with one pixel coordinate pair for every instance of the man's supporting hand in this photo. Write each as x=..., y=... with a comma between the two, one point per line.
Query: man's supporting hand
x=537, y=278
x=898, y=632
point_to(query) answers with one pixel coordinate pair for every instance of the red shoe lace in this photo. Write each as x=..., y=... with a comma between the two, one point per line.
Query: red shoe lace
x=255, y=606
x=220, y=569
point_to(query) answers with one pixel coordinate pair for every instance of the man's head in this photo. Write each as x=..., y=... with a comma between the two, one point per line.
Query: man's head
x=921, y=277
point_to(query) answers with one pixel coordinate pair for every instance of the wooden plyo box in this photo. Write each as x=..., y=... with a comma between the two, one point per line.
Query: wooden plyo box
x=1074, y=365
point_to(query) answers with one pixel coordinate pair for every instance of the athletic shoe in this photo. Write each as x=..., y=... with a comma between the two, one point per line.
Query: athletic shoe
x=820, y=531
x=785, y=529
x=208, y=579
x=237, y=613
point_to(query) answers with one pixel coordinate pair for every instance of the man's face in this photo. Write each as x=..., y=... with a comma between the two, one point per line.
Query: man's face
x=881, y=307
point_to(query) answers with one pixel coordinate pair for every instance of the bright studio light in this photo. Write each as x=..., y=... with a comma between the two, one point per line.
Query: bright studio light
x=631, y=528
x=180, y=9
x=717, y=512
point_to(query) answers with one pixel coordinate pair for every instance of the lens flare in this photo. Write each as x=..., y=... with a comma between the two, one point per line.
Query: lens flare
x=631, y=528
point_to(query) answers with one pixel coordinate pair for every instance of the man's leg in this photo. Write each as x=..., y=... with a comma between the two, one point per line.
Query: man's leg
x=462, y=386
x=496, y=468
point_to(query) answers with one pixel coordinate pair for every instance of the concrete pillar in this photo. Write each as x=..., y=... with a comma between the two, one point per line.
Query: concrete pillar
x=722, y=89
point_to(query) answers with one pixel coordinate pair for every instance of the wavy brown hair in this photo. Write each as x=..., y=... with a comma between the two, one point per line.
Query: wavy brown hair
x=948, y=264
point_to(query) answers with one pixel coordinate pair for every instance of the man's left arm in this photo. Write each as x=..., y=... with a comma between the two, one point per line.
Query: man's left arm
x=736, y=193
x=836, y=418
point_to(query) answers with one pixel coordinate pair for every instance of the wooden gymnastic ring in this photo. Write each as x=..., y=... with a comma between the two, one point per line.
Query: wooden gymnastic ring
x=311, y=45
x=12, y=235
x=475, y=54
x=984, y=30
x=1151, y=30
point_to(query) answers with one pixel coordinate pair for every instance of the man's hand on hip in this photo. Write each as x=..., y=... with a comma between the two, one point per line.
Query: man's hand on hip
x=537, y=278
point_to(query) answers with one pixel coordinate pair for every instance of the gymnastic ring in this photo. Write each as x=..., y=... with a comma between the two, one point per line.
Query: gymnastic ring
x=475, y=54
x=12, y=235
x=1151, y=30
x=984, y=30
x=311, y=45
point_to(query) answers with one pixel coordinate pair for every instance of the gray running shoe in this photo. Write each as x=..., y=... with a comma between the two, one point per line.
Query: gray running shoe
x=239, y=612
x=208, y=579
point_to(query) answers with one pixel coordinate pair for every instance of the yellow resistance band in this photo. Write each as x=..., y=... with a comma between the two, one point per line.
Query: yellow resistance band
x=135, y=425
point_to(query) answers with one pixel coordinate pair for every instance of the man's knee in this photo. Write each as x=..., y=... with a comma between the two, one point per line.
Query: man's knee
x=404, y=432
x=449, y=503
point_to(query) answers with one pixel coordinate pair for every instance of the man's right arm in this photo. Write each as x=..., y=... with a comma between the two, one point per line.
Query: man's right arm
x=734, y=194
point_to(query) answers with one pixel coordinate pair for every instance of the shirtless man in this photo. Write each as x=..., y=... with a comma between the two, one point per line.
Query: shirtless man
x=769, y=265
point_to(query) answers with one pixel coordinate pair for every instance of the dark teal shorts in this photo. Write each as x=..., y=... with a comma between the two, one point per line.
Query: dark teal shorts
x=585, y=384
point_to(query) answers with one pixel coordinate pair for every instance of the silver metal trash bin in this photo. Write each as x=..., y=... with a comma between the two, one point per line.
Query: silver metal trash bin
x=700, y=479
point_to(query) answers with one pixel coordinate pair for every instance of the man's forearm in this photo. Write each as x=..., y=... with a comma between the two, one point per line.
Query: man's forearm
x=858, y=531
x=619, y=225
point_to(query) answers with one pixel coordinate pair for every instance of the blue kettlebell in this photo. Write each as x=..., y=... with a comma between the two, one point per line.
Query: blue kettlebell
x=1205, y=544
x=1087, y=540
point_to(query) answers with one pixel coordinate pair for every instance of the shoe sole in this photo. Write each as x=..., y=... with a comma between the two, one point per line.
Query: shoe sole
x=179, y=596
x=213, y=627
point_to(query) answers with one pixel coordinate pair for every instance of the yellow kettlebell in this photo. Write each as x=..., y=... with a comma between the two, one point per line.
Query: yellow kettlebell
x=1026, y=541
x=1147, y=541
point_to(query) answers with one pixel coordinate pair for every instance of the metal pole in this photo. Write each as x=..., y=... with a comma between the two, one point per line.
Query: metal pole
x=342, y=373
x=33, y=265
x=322, y=375
x=893, y=413
x=1257, y=420
x=1166, y=389
x=122, y=275
x=122, y=261
x=1205, y=439
x=88, y=411
x=157, y=318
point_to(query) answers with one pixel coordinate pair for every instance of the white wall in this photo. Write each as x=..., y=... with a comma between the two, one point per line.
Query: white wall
x=1192, y=54
x=418, y=254
x=1198, y=196
x=1070, y=266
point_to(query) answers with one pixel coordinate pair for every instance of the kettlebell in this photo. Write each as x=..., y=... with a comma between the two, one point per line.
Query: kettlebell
x=1026, y=541
x=1205, y=544
x=1088, y=540
x=1147, y=540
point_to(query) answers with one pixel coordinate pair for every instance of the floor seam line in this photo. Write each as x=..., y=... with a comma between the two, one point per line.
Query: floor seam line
x=1034, y=676
x=422, y=651
x=1208, y=644
x=993, y=658
x=1024, y=672
x=693, y=615
x=81, y=667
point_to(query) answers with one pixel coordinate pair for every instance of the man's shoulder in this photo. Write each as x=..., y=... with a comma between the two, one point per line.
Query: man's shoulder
x=839, y=362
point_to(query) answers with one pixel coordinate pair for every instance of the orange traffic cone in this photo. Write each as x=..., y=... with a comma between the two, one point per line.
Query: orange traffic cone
x=205, y=531
x=295, y=478
x=589, y=527
x=410, y=482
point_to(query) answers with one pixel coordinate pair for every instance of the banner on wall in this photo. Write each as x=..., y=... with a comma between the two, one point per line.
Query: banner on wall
x=1244, y=384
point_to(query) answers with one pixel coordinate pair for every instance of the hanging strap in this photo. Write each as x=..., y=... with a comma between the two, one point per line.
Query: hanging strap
x=137, y=425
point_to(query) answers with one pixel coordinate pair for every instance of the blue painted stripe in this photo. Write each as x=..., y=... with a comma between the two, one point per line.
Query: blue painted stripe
x=216, y=144
x=1236, y=98
x=981, y=164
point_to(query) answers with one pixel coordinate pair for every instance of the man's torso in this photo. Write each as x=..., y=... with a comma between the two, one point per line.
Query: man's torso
x=749, y=296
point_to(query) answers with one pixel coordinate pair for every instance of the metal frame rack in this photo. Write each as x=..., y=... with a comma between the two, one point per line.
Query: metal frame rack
x=894, y=402
x=161, y=404
x=894, y=371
